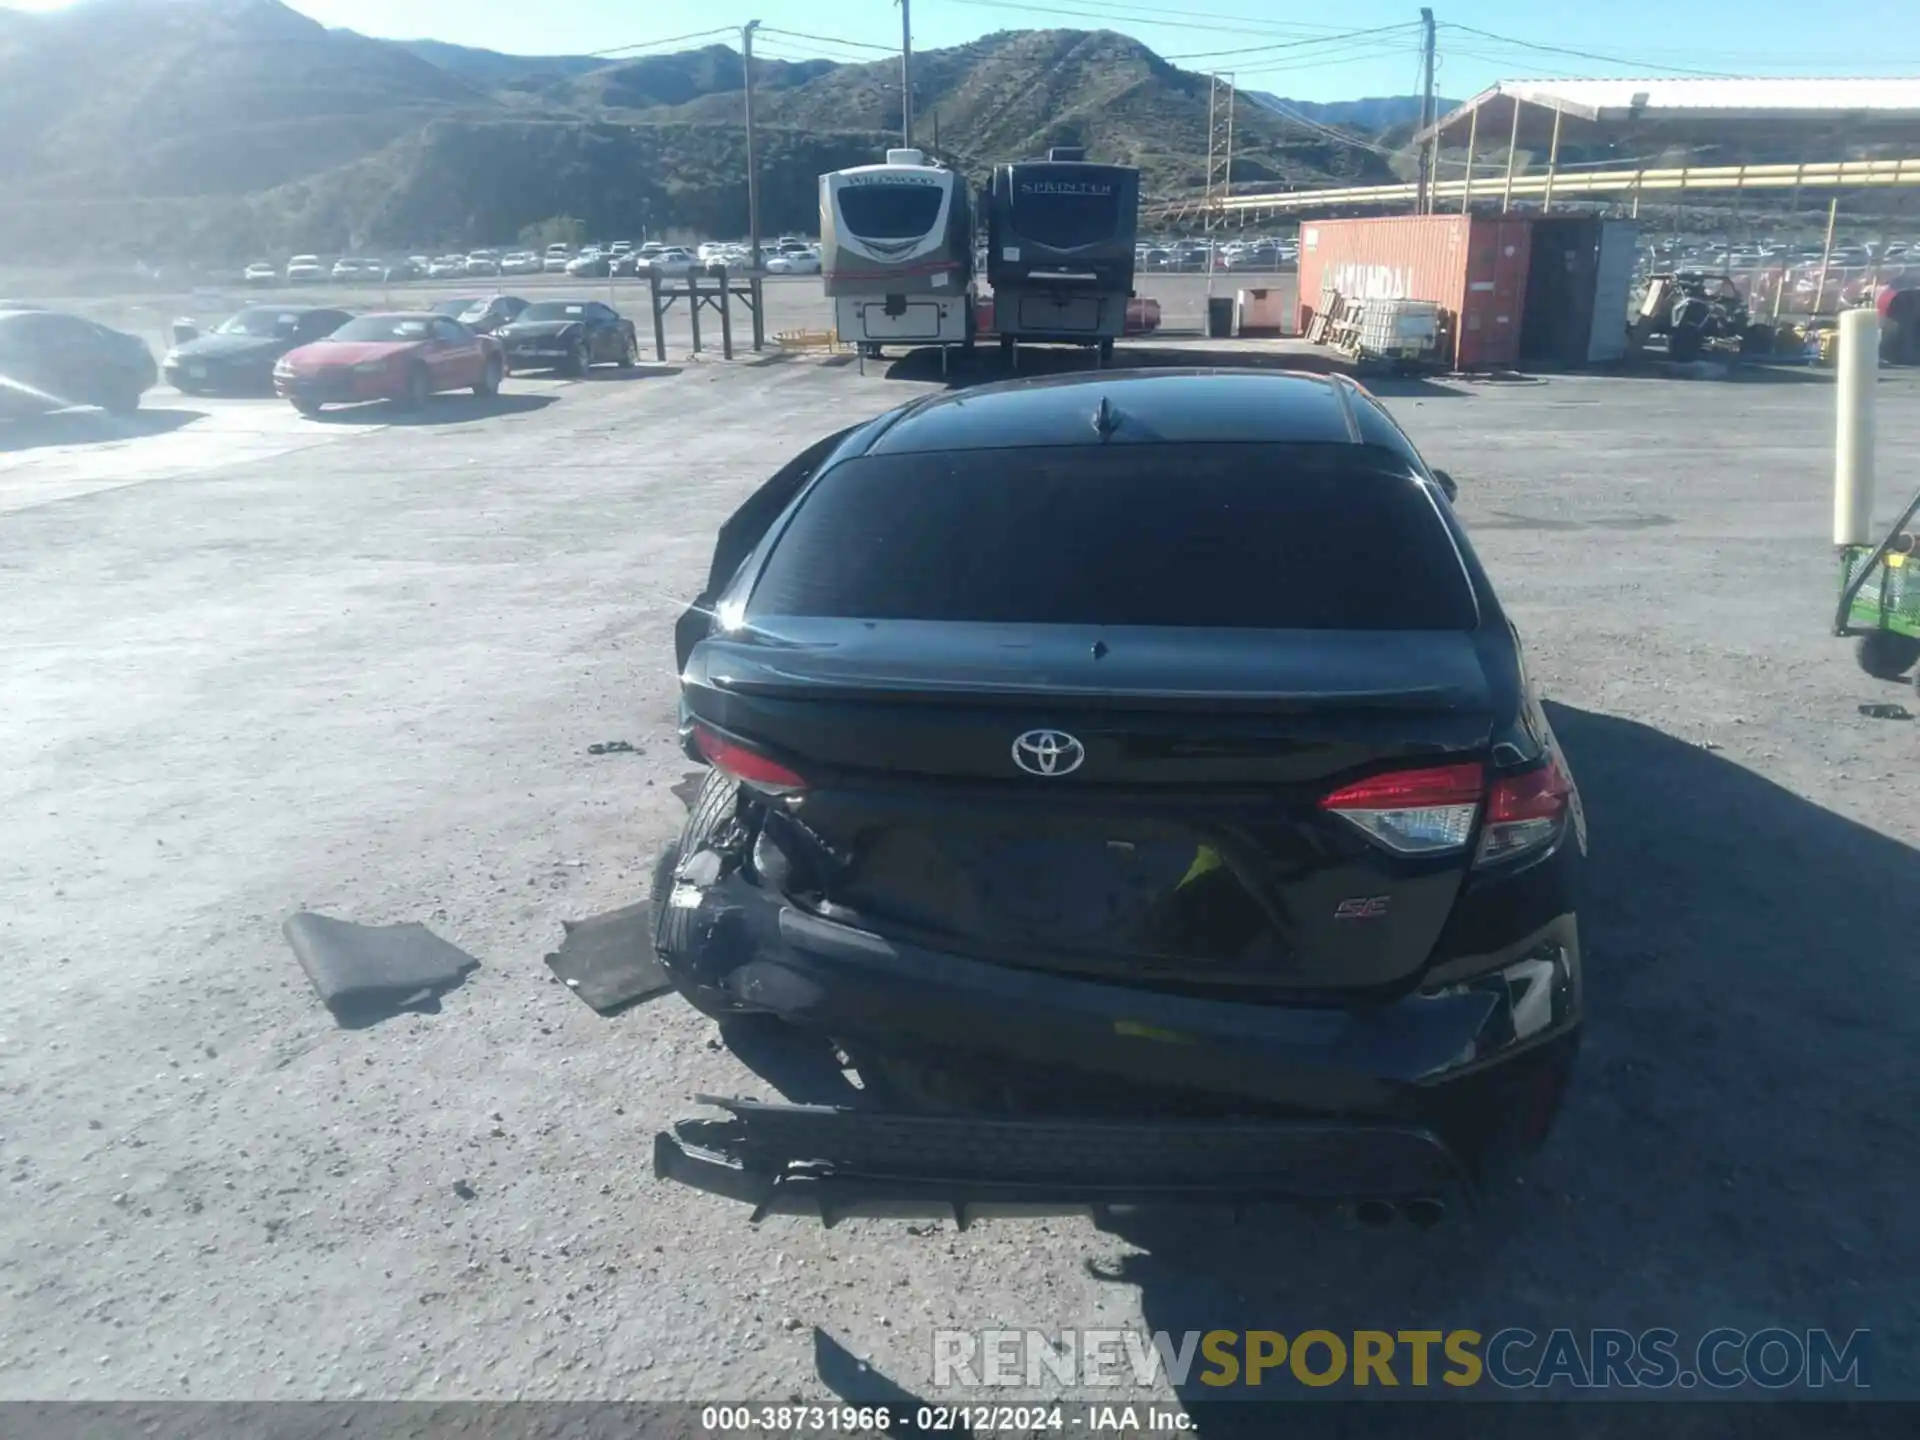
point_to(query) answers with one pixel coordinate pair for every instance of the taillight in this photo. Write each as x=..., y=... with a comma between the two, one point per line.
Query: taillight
x=749, y=767
x=1525, y=812
x=1414, y=812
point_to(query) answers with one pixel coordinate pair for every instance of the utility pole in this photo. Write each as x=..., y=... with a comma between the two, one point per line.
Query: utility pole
x=906, y=73
x=1428, y=149
x=753, y=167
x=1220, y=102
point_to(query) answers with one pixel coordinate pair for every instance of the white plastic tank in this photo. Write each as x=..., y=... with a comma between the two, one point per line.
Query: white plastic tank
x=906, y=157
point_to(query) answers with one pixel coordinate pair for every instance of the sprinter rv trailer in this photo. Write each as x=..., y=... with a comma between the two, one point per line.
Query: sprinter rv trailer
x=1060, y=236
x=896, y=253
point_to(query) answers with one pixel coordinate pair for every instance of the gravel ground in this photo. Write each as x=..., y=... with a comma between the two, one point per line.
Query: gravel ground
x=256, y=664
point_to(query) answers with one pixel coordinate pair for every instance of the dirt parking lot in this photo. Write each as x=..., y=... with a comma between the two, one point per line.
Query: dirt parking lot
x=257, y=664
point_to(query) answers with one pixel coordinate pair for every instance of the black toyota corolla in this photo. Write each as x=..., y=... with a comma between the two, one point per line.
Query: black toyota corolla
x=1134, y=781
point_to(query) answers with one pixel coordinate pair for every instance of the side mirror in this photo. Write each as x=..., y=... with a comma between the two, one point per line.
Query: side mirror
x=1447, y=484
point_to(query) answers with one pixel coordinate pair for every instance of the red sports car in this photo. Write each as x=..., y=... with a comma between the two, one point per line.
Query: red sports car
x=404, y=357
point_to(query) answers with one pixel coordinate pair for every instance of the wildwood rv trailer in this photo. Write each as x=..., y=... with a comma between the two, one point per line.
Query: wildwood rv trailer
x=1060, y=235
x=896, y=253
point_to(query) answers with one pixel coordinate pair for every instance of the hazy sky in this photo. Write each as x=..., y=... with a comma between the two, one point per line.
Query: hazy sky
x=1303, y=51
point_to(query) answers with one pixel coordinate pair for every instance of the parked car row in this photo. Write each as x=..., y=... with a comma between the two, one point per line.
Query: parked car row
x=651, y=258
x=788, y=255
x=312, y=356
x=1258, y=256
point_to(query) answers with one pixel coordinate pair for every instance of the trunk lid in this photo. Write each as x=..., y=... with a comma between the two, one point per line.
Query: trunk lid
x=1176, y=837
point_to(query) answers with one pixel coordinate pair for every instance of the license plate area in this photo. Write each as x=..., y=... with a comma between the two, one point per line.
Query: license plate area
x=1111, y=889
x=1072, y=315
x=901, y=319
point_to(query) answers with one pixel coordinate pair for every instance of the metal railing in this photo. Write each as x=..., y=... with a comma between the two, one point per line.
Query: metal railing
x=1565, y=183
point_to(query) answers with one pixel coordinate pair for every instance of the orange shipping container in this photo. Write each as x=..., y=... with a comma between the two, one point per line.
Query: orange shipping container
x=1474, y=267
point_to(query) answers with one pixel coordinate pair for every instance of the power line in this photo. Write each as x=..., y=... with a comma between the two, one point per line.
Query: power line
x=1141, y=15
x=793, y=50
x=1279, y=108
x=1364, y=52
x=669, y=40
x=832, y=40
x=1584, y=54
x=1339, y=39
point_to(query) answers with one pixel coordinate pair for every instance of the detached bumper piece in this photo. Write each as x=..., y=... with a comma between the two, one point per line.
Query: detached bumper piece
x=835, y=1164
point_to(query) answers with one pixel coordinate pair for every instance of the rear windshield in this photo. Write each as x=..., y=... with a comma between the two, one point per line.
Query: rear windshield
x=1250, y=537
x=553, y=310
x=382, y=327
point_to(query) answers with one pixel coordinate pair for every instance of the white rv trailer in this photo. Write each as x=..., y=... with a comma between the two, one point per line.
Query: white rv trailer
x=896, y=253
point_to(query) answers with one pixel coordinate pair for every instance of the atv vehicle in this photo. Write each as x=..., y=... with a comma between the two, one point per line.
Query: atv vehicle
x=1692, y=308
x=1880, y=599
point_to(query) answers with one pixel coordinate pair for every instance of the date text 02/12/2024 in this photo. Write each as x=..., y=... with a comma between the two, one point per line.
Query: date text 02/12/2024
x=969, y=1420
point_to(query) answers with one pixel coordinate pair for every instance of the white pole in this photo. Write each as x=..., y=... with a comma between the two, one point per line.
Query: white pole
x=1858, y=359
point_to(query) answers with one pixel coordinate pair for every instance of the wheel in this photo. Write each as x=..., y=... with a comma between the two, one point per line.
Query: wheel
x=673, y=932
x=123, y=399
x=490, y=382
x=1106, y=352
x=418, y=389
x=871, y=351
x=629, y=352
x=577, y=360
x=663, y=886
x=309, y=408
x=1757, y=340
x=1887, y=654
x=1684, y=342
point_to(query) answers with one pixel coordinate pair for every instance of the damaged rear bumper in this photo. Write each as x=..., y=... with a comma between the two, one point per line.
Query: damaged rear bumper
x=1135, y=1097
x=832, y=1164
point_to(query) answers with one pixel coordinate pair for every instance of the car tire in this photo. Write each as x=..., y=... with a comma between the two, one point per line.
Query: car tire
x=309, y=408
x=122, y=399
x=417, y=391
x=1887, y=654
x=629, y=352
x=489, y=385
x=673, y=932
x=578, y=361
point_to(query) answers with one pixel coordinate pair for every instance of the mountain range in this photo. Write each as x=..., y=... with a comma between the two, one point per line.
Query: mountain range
x=222, y=129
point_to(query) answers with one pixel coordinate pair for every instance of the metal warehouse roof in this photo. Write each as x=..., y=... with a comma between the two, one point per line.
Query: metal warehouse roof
x=1866, y=110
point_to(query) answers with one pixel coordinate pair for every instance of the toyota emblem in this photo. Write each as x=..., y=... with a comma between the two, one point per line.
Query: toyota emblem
x=1048, y=752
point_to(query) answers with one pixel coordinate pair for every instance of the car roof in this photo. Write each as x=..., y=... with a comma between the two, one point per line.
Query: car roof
x=1144, y=407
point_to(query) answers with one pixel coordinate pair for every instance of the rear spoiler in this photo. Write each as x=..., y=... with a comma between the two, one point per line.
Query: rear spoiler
x=743, y=530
